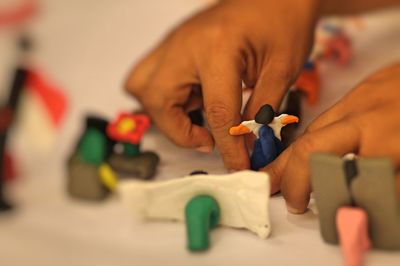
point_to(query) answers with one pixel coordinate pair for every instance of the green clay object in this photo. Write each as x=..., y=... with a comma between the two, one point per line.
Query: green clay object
x=202, y=214
x=131, y=150
x=93, y=147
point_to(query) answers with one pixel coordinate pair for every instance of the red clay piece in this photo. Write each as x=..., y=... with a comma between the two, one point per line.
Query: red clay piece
x=128, y=127
x=9, y=168
x=352, y=227
x=338, y=49
x=309, y=83
x=18, y=14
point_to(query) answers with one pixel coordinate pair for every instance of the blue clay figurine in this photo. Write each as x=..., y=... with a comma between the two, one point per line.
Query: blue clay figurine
x=267, y=128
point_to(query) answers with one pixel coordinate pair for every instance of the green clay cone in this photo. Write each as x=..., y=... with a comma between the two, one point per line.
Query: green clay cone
x=93, y=147
x=202, y=214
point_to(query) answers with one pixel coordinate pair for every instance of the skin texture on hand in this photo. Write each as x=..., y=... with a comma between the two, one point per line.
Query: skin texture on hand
x=202, y=63
x=366, y=122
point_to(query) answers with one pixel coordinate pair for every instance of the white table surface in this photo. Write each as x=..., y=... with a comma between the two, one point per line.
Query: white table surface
x=88, y=47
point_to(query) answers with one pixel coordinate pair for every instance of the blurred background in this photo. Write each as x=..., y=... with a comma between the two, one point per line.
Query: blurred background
x=85, y=49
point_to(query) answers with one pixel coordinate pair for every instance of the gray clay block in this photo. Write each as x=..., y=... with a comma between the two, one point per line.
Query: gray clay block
x=374, y=190
x=142, y=166
x=330, y=190
x=84, y=181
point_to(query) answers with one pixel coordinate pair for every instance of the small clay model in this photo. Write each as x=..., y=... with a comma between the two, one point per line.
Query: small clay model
x=238, y=200
x=142, y=166
x=352, y=227
x=88, y=176
x=91, y=168
x=128, y=130
x=367, y=188
x=267, y=129
x=309, y=82
x=8, y=113
x=202, y=214
x=84, y=180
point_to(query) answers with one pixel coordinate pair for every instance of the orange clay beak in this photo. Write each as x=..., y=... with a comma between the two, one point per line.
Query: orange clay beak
x=289, y=120
x=239, y=130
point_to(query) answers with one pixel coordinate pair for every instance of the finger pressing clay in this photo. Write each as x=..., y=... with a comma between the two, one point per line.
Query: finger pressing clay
x=374, y=190
x=242, y=198
x=352, y=227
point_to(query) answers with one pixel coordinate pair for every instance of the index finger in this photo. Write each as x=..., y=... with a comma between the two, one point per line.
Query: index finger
x=222, y=93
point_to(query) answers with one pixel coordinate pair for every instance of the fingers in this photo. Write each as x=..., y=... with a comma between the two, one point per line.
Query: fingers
x=221, y=81
x=291, y=168
x=339, y=138
x=166, y=94
x=176, y=124
x=276, y=77
x=276, y=169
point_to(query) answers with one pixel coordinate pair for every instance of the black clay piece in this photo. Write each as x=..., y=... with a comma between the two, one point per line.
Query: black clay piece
x=100, y=124
x=350, y=170
x=198, y=172
x=293, y=107
x=17, y=86
x=142, y=166
x=84, y=180
x=265, y=115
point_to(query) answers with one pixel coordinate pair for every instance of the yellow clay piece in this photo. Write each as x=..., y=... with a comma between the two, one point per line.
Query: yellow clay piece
x=126, y=125
x=108, y=177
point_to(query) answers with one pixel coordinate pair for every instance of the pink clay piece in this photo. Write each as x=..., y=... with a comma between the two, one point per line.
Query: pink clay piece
x=352, y=228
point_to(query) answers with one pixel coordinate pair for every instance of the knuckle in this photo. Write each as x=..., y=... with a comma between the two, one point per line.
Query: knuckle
x=183, y=136
x=284, y=70
x=219, y=116
x=305, y=146
x=133, y=85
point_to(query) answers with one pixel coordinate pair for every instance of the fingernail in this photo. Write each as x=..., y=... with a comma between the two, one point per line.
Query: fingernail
x=205, y=149
x=293, y=210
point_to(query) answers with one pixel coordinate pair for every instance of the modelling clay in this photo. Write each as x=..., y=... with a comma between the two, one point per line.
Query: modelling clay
x=267, y=128
x=9, y=169
x=84, y=180
x=93, y=147
x=309, y=83
x=374, y=190
x=352, y=227
x=142, y=166
x=18, y=14
x=128, y=128
x=202, y=214
x=293, y=107
x=242, y=198
x=198, y=172
x=100, y=124
x=131, y=150
x=370, y=184
x=12, y=104
x=108, y=177
x=331, y=192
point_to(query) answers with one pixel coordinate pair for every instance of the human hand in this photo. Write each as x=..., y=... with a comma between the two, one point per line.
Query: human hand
x=262, y=43
x=365, y=122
